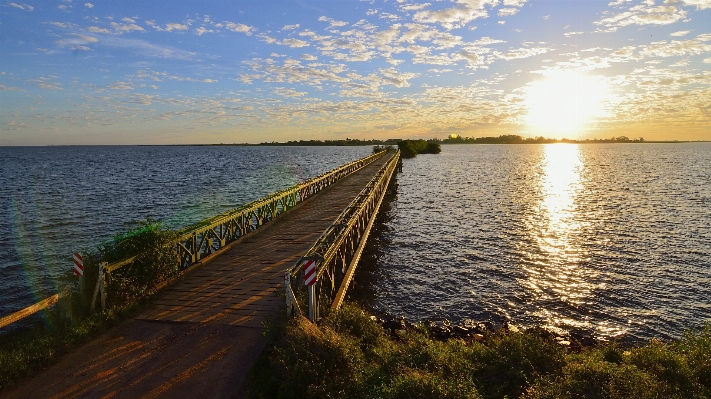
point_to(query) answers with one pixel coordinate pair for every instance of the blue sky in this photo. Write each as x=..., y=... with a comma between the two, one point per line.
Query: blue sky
x=151, y=72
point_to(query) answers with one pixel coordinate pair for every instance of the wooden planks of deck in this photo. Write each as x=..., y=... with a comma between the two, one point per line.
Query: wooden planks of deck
x=203, y=333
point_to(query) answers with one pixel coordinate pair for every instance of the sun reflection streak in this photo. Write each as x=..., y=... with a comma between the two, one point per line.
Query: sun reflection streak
x=556, y=275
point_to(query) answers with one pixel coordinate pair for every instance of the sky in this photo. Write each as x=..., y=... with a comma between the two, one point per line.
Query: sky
x=207, y=72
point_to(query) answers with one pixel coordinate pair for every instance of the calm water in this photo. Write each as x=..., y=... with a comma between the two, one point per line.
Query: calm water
x=613, y=239
x=58, y=200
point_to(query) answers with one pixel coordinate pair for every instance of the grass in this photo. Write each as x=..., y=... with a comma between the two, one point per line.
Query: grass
x=350, y=356
x=35, y=346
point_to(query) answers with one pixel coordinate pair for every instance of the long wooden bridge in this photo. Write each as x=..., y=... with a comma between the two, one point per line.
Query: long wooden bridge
x=203, y=333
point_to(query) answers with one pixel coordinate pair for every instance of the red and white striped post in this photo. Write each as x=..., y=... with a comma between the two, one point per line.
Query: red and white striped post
x=79, y=269
x=310, y=281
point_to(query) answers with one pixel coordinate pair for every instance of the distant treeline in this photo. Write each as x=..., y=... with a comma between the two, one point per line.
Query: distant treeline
x=335, y=142
x=454, y=139
x=516, y=139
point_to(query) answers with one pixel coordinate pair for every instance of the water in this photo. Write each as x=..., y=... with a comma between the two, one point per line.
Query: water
x=58, y=200
x=611, y=239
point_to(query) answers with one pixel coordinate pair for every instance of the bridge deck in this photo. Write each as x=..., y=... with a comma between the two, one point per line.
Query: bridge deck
x=202, y=334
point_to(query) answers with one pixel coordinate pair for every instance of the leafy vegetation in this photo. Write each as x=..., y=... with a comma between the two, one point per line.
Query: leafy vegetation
x=351, y=356
x=410, y=148
x=70, y=323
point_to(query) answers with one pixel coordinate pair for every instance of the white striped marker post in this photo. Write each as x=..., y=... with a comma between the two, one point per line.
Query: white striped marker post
x=78, y=264
x=79, y=269
x=310, y=280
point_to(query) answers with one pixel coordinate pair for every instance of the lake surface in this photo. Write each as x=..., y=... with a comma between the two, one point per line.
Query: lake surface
x=614, y=239
x=58, y=200
x=609, y=238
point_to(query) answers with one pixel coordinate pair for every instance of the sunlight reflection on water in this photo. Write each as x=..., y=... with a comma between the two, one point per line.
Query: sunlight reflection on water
x=611, y=239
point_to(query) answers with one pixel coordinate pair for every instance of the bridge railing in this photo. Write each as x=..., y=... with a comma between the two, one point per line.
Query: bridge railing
x=205, y=238
x=338, y=249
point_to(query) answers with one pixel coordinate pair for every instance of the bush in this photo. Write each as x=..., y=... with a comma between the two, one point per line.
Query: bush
x=410, y=148
x=351, y=356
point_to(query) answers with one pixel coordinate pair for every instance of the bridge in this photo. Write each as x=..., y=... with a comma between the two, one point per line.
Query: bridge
x=202, y=334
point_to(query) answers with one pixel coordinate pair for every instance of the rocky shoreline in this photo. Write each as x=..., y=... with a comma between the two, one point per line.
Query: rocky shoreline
x=472, y=330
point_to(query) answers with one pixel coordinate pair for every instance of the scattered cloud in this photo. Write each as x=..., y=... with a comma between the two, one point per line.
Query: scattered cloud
x=290, y=27
x=643, y=14
x=505, y=12
x=239, y=28
x=24, y=7
x=88, y=5
x=680, y=33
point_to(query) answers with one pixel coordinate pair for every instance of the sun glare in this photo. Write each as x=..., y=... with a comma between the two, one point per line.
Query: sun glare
x=564, y=103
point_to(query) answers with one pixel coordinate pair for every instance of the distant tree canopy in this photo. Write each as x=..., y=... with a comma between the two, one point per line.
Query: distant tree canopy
x=516, y=139
x=452, y=139
x=410, y=148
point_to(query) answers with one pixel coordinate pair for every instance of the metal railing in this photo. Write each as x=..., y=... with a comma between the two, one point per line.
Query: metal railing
x=338, y=249
x=205, y=238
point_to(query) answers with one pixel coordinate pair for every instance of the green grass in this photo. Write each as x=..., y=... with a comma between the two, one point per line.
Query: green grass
x=33, y=347
x=350, y=356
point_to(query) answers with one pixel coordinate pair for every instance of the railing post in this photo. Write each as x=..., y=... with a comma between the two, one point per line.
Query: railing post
x=287, y=291
x=312, y=303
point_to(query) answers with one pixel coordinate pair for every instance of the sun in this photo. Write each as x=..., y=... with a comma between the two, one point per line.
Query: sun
x=564, y=103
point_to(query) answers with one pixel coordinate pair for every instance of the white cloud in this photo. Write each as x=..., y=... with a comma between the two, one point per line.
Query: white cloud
x=680, y=33
x=644, y=14
x=501, y=22
x=25, y=7
x=514, y=3
x=240, y=28
x=174, y=26
x=282, y=91
x=201, y=31
x=505, y=12
x=569, y=34
x=332, y=22
x=414, y=7
x=707, y=60
x=294, y=43
x=291, y=27
x=308, y=57
x=88, y=5
x=125, y=28
x=699, y=4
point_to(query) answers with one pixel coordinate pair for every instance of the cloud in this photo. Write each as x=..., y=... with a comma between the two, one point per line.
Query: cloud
x=699, y=4
x=289, y=92
x=569, y=34
x=707, y=60
x=397, y=79
x=9, y=88
x=24, y=7
x=308, y=57
x=294, y=43
x=455, y=17
x=290, y=27
x=201, y=31
x=332, y=22
x=148, y=49
x=505, y=12
x=125, y=28
x=414, y=7
x=680, y=33
x=239, y=28
x=514, y=3
x=643, y=14
x=88, y=5
x=173, y=26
